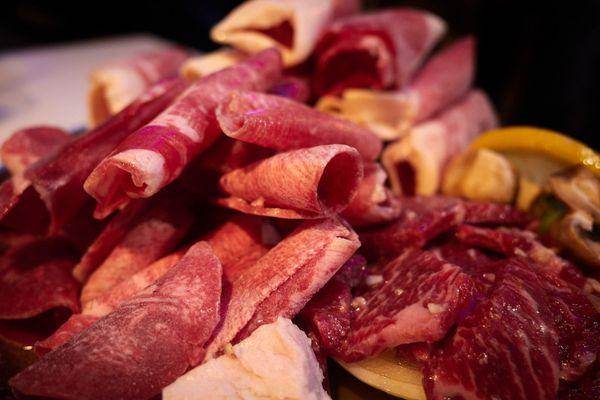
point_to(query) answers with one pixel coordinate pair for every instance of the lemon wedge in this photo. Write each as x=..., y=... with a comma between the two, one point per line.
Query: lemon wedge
x=389, y=374
x=538, y=153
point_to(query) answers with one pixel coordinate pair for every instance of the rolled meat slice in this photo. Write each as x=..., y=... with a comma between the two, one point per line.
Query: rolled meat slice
x=293, y=26
x=293, y=87
x=374, y=203
x=307, y=183
x=143, y=345
x=116, y=85
x=385, y=49
x=316, y=245
x=59, y=179
x=443, y=80
x=415, y=162
x=156, y=154
x=282, y=124
x=205, y=64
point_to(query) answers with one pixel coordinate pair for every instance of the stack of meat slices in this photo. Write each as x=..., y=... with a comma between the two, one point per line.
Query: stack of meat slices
x=463, y=289
x=204, y=208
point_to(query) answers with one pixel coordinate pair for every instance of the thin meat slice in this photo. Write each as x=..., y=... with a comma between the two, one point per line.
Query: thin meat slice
x=36, y=277
x=156, y=154
x=374, y=203
x=205, y=64
x=154, y=235
x=292, y=26
x=287, y=300
x=384, y=48
x=319, y=244
x=497, y=352
x=108, y=301
x=282, y=124
x=59, y=179
x=514, y=242
x=28, y=145
x=115, y=85
x=142, y=346
x=240, y=242
x=306, y=183
x=419, y=298
x=443, y=80
x=415, y=162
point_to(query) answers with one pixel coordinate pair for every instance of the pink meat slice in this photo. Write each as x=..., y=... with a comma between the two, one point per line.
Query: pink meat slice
x=108, y=239
x=109, y=301
x=36, y=277
x=59, y=179
x=444, y=79
x=497, y=352
x=156, y=154
x=306, y=183
x=142, y=346
x=239, y=243
x=27, y=146
x=320, y=244
x=293, y=87
x=154, y=235
x=282, y=124
x=385, y=49
x=374, y=203
x=420, y=298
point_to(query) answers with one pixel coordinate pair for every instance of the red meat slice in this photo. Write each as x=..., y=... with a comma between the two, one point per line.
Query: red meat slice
x=282, y=124
x=143, y=345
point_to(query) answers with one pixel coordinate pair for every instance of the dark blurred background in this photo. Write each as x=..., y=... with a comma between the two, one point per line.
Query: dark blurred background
x=539, y=61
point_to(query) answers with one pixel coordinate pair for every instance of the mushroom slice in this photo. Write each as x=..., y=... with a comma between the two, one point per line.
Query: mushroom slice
x=579, y=188
x=576, y=233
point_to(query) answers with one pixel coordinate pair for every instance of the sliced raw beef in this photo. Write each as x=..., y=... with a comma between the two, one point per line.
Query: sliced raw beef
x=207, y=63
x=317, y=245
x=240, y=242
x=156, y=154
x=293, y=87
x=293, y=26
x=384, y=48
x=415, y=162
x=154, y=235
x=497, y=353
x=282, y=124
x=142, y=346
x=114, y=86
x=27, y=146
x=443, y=80
x=418, y=299
x=307, y=183
x=108, y=301
x=514, y=242
x=374, y=203
x=59, y=179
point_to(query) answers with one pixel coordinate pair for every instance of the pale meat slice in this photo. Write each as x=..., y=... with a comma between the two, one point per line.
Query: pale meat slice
x=317, y=245
x=419, y=299
x=293, y=26
x=282, y=124
x=415, y=162
x=307, y=183
x=374, y=203
x=497, y=352
x=155, y=155
x=117, y=84
x=205, y=64
x=444, y=79
x=142, y=346
x=385, y=48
